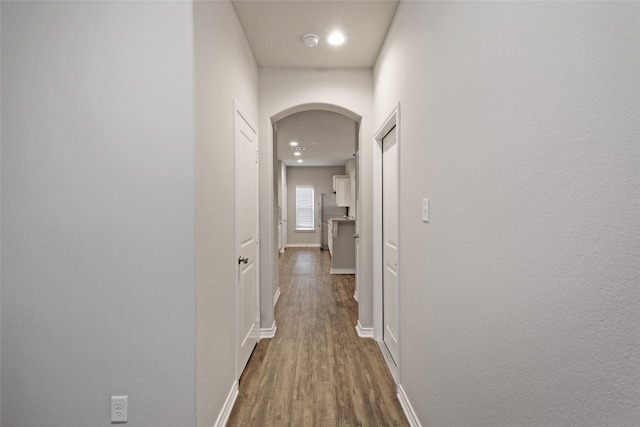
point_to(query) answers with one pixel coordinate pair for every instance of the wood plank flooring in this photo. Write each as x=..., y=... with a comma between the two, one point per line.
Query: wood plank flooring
x=316, y=371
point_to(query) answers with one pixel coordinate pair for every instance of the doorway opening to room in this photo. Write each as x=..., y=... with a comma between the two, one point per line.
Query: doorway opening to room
x=317, y=188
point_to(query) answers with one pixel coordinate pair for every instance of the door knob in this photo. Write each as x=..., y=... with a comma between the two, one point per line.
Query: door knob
x=243, y=259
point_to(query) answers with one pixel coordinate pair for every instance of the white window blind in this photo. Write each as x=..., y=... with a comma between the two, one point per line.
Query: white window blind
x=304, y=208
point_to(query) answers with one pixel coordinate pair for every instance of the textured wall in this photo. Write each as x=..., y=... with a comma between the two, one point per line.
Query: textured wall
x=98, y=286
x=520, y=122
x=225, y=70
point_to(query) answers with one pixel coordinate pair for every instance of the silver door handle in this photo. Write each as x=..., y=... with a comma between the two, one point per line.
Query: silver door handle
x=243, y=259
x=356, y=236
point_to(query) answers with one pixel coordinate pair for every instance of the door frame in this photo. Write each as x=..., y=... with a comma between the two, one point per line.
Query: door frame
x=237, y=113
x=378, y=323
x=284, y=206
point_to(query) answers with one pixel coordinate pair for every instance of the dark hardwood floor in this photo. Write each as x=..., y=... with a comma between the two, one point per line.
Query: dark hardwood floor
x=316, y=371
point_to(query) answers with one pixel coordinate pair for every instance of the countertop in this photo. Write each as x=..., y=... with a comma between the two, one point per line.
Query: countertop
x=342, y=219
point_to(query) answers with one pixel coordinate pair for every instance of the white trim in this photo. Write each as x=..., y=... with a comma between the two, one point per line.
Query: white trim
x=343, y=271
x=364, y=332
x=303, y=245
x=276, y=297
x=377, y=237
x=392, y=120
x=284, y=233
x=268, y=332
x=225, y=412
x=412, y=418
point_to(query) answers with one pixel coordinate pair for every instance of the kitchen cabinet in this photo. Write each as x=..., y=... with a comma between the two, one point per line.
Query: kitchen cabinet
x=343, y=192
x=332, y=230
x=335, y=179
x=342, y=246
x=350, y=169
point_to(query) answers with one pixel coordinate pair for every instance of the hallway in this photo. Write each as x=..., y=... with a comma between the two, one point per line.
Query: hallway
x=316, y=371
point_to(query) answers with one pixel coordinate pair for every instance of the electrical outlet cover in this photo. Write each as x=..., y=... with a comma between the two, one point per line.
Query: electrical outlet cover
x=119, y=409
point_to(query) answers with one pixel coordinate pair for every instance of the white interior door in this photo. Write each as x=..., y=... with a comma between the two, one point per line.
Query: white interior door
x=390, y=283
x=246, y=217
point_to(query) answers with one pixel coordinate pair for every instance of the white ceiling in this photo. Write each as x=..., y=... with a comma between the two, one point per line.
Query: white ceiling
x=329, y=138
x=274, y=30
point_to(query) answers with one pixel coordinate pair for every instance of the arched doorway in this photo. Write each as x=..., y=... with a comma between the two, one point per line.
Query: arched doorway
x=315, y=149
x=283, y=92
x=322, y=111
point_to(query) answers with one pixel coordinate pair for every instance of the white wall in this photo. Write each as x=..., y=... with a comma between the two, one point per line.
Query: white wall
x=520, y=297
x=225, y=69
x=98, y=254
x=281, y=89
x=320, y=177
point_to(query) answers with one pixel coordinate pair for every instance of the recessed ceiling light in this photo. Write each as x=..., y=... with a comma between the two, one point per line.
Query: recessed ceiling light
x=336, y=38
x=297, y=153
x=299, y=160
x=293, y=143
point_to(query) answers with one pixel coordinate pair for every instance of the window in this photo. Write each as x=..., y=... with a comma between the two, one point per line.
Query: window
x=304, y=208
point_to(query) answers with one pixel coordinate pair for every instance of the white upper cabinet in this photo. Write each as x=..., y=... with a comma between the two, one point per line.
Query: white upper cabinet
x=335, y=178
x=343, y=191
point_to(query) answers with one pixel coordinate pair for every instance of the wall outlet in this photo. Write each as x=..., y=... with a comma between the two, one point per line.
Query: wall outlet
x=119, y=409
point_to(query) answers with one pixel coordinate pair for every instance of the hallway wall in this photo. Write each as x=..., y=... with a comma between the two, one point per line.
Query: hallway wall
x=98, y=254
x=225, y=70
x=520, y=123
x=281, y=89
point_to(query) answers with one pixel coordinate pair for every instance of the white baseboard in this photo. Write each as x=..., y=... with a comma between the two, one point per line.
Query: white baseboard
x=276, y=297
x=268, y=332
x=364, y=332
x=223, y=417
x=343, y=271
x=407, y=408
x=303, y=245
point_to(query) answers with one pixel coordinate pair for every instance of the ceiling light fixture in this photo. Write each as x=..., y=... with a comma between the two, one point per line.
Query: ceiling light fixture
x=311, y=40
x=297, y=153
x=299, y=160
x=336, y=38
x=293, y=143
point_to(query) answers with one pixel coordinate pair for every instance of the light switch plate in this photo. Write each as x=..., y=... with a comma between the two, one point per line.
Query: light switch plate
x=425, y=210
